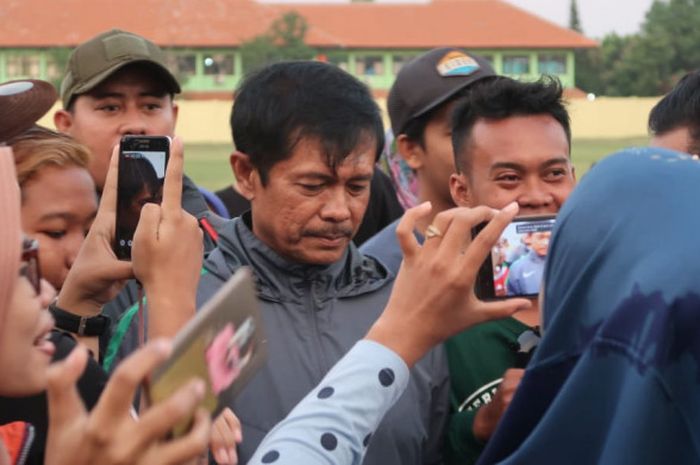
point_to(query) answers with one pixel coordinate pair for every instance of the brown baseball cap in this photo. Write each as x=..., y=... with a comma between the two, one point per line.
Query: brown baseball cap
x=431, y=79
x=92, y=62
x=22, y=103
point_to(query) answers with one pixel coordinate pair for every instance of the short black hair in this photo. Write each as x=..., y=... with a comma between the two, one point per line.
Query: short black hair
x=282, y=103
x=503, y=97
x=679, y=108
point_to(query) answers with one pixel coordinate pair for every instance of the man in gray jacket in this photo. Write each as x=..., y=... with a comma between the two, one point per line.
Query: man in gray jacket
x=307, y=135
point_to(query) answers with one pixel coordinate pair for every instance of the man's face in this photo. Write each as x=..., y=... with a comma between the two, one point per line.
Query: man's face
x=520, y=158
x=131, y=101
x=679, y=139
x=434, y=161
x=308, y=212
x=539, y=242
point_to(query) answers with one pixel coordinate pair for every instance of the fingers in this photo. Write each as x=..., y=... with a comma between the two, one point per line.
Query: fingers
x=499, y=309
x=172, y=190
x=108, y=201
x=162, y=417
x=189, y=446
x=458, y=234
x=226, y=433
x=119, y=392
x=405, y=229
x=147, y=227
x=47, y=294
x=440, y=225
x=62, y=395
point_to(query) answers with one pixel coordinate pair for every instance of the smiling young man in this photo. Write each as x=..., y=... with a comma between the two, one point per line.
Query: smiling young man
x=511, y=143
x=307, y=135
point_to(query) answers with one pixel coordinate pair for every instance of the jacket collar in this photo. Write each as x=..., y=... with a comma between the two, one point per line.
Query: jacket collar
x=280, y=279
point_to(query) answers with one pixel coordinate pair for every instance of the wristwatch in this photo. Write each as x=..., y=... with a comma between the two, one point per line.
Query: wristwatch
x=80, y=325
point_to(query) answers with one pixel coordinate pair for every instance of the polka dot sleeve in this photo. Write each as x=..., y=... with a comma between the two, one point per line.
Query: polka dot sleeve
x=334, y=423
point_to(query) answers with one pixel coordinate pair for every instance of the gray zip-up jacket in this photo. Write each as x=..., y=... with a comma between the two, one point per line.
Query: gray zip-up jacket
x=313, y=315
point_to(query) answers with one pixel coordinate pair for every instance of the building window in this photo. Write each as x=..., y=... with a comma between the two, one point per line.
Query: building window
x=516, y=64
x=369, y=65
x=552, y=63
x=181, y=64
x=22, y=65
x=218, y=64
x=398, y=62
x=56, y=62
x=338, y=59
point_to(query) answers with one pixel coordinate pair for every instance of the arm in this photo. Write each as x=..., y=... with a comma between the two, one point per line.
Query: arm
x=368, y=379
x=427, y=305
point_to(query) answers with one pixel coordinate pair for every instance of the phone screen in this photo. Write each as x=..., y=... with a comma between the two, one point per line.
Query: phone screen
x=516, y=264
x=142, y=165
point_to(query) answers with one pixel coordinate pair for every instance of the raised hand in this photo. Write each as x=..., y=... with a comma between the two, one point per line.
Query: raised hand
x=110, y=434
x=433, y=296
x=167, y=254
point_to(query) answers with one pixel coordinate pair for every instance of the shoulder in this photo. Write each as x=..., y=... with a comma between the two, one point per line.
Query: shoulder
x=384, y=246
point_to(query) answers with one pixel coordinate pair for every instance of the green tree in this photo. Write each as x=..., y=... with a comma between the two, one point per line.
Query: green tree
x=587, y=60
x=574, y=20
x=651, y=62
x=284, y=40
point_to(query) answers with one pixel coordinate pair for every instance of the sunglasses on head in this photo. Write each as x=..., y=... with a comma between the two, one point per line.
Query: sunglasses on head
x=30, y=260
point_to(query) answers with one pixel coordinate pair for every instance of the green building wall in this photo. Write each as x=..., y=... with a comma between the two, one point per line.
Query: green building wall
x=220, y=70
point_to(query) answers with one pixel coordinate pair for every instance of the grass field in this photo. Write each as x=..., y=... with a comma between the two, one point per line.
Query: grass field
x=208, y=164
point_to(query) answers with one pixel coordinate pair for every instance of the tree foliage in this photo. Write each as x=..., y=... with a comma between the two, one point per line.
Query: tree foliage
x=284, y=40
x=647, y=63
x=574, y=20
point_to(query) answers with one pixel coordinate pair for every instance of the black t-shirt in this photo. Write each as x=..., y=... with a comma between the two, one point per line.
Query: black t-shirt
x=383, y=207
x=34, y=409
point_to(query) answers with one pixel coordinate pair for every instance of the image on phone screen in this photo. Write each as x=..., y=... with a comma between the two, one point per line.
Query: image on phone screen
x=518, y=257
x=140, y=181
x=516, y=263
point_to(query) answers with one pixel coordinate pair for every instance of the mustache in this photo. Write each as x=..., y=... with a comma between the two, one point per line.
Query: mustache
x=331, y=231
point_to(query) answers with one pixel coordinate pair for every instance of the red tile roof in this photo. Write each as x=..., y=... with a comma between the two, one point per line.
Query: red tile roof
x=210, y=23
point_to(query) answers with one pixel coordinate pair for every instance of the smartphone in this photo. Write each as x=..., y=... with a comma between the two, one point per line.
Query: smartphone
x=515, y=265
x=142, y=164
x=222, y=345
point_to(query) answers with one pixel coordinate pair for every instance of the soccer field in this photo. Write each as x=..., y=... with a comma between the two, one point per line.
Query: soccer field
x=208, y=164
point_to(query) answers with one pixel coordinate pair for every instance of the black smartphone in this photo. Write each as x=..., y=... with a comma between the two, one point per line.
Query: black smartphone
x=515, y=265
x=142, y=164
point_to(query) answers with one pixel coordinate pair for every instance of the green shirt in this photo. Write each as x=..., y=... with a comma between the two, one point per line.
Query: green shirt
x=477, y=359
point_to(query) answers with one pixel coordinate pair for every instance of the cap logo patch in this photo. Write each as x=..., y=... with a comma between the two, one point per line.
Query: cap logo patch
x=457, y=64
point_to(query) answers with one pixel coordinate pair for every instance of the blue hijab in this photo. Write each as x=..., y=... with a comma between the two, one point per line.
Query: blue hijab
x=616, y=378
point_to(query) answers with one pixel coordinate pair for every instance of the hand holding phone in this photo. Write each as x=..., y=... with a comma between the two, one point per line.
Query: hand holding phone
x=223, y=345
x=97, y=276
x=167, y=254
x=516, y=263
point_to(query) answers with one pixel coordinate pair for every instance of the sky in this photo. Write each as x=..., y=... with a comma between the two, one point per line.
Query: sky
x=598, y=17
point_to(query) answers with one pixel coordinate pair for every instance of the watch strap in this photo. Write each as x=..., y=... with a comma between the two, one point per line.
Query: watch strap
x=80, y=325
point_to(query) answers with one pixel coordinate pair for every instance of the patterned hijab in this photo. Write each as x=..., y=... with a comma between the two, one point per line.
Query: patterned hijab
x=616, y=378
x=402, y=176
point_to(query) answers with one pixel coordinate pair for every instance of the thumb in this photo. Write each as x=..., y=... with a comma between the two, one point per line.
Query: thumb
x=116, y=270
x=499, y=309
x=62, y=395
